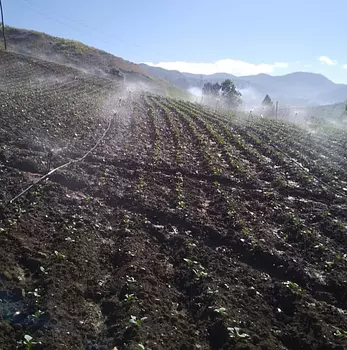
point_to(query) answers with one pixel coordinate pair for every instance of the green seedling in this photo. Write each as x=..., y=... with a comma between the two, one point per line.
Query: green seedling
x=181, y=204
x=198, y=269
x=210, y=291
x=129, y=297
x=329, y=265
x=217, y=171
x=138, y=322
x=231, y=214
x=190, y=262
x=42, y=269
x=141, y=182
x=35, y=294
x=131, y=279
x=340, y=334
x=38, y=314
x=200, y=272
x=237, y=334
x=126, y=220
x=221, y=311
x=294, y=287
x=28, y=342
x=142, y=347
x=245, y=231
x=59, y=255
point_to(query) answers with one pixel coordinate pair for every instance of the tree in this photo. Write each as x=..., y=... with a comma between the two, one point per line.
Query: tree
x=268, y=106
x=267, y=102
x=230, y=95
x=216, y=89
x=226, y=91
x=211, y=89
x=207, y=89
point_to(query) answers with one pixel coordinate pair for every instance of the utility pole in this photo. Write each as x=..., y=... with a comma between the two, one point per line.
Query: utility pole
x=3, y=25
x=276, y=112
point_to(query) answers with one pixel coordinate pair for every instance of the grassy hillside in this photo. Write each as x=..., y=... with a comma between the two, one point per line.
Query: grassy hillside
x=81, y=56
x=68, y=51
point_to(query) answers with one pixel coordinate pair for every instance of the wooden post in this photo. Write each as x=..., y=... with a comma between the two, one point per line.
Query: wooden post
x=3, y=25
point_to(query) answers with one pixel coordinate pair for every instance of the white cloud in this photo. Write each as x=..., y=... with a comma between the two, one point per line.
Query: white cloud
x=345, y=66
x=230, y=66
x=327, y=60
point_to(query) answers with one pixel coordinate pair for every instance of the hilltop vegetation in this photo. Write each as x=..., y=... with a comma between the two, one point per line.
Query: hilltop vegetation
x=183, y=229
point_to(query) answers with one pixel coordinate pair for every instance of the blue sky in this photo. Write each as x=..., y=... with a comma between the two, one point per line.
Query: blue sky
x=239, y=37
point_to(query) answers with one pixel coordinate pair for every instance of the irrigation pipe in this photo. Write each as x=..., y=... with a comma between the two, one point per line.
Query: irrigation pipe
x=64, y=165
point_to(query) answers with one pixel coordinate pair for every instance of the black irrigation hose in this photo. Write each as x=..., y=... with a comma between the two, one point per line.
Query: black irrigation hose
x=64, y=165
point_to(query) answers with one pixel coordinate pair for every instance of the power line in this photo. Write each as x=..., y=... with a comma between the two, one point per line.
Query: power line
x=3, y=25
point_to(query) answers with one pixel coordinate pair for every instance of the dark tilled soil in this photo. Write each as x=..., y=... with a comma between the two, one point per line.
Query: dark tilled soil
x=181, y=230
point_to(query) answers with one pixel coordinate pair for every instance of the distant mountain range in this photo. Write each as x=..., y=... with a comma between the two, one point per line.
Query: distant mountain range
x=296, y=89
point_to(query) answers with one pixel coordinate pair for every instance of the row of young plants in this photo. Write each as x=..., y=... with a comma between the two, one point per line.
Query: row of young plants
x=189, y=132
x=298, y=141
x=214, y=135
x=232, y=133
x=201, y=141
x=138, y=135
x=258, y=141
x=301, y=153
x=168, y=119
x=155, y=130
x=175, y=131
x=231, y=211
